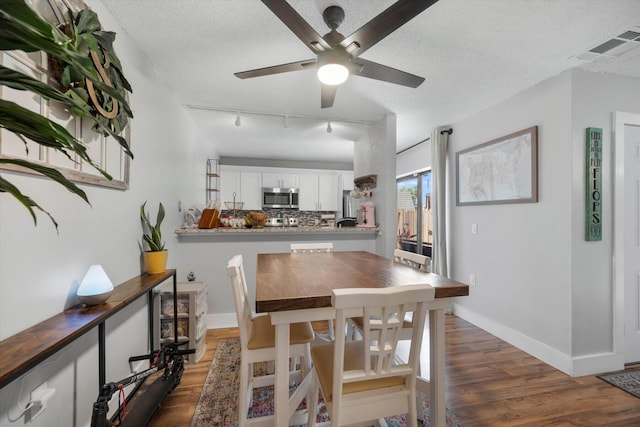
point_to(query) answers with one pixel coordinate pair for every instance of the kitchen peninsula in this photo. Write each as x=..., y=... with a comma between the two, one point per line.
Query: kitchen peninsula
x=364, y=232
x=206, y=252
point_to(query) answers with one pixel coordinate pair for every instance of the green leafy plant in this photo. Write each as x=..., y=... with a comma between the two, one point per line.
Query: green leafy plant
x=151, y=234
x=23, y=29
x=89, y=40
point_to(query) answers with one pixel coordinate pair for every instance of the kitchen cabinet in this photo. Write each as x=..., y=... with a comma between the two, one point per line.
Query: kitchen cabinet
x=318, y=192
x=346, y=181
x=229, y=184
x=280, y=180
x=246, y=185
x=251, y=190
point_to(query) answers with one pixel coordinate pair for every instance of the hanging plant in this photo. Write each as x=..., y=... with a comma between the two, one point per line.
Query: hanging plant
x=25, y=30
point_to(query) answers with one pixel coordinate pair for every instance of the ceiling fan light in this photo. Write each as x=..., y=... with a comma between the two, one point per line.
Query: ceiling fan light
x=333, y=74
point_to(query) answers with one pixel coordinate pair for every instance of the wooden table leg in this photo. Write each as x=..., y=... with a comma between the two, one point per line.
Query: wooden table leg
x=436, y=380
x=281, y=394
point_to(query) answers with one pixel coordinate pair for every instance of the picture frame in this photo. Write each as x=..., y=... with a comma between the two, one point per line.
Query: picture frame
x=501, y=171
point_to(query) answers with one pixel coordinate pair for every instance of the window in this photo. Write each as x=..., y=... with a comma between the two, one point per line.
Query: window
x=415, y=226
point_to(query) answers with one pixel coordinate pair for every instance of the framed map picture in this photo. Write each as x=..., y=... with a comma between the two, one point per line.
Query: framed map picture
x=504, y=170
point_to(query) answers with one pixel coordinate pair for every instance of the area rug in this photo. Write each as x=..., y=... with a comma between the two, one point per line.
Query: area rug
x=628, y=381
x=218, y=402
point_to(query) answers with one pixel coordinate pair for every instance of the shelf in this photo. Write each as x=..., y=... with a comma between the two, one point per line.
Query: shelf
x=191, y=304
x=212, y=185
x=368, y=181
x=26, y=349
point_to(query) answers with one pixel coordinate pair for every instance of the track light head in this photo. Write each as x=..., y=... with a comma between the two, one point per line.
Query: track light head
x=238, y=122
x=329, y=128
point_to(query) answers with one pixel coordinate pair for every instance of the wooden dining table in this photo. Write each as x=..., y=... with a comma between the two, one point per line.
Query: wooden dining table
x=297, y=287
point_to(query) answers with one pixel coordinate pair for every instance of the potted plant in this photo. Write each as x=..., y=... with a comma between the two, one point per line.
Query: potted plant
x=155, y=255
x=25, y=30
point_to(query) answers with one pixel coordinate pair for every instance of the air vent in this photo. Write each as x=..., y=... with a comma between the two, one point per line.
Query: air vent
x=615, y=47
x=630, y=35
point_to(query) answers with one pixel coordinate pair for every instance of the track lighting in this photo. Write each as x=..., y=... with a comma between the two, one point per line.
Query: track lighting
x=287, y=118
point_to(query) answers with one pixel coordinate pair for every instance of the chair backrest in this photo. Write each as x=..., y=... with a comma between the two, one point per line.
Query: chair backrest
x=382, y=311
x=235, y=271
x=421, y=262
x=311, y=247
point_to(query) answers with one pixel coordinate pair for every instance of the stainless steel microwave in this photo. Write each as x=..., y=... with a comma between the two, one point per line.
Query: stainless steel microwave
x=279, y=198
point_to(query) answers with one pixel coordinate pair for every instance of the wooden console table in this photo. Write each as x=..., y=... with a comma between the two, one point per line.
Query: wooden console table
x=26, y=349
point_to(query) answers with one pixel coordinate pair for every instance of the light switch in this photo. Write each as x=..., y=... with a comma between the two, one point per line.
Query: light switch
x=474, y=228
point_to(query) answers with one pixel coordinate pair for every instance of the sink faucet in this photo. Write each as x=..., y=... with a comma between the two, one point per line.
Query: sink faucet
x=285, y=220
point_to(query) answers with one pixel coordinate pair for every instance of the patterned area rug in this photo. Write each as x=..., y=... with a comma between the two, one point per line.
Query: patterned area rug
x=628, y=381
x=218, y=403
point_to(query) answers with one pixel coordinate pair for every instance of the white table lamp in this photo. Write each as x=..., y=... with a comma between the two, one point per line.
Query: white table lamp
x=95, y=288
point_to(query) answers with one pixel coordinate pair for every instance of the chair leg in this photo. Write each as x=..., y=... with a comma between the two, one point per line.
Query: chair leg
x=312, y=401
x=245, y=393
x=412, y=416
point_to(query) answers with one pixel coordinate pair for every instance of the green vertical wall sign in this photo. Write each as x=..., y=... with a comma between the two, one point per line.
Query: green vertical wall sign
x=593, y=193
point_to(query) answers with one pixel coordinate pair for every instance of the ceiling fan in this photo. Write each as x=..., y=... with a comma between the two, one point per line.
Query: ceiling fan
x=338, y=56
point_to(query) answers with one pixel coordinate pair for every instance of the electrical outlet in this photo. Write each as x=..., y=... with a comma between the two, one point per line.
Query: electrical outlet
x=39, y=397
x=474, y=228
x=472, y=279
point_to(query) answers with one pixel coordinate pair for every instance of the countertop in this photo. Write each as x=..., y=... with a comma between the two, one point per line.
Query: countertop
x=276, y=230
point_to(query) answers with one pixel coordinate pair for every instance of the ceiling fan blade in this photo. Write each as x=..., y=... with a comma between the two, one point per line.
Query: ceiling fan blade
x=297, y=25
x=373, y=70
x=328, y=95
x=384, y=24
x=276, y=69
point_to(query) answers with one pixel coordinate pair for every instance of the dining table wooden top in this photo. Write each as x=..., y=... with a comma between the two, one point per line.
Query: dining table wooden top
x=294, y=281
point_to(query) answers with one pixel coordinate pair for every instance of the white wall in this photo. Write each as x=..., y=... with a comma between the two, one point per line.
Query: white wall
x=372, y=156
x=540, y=286
x=414, y=159
x=40, y=270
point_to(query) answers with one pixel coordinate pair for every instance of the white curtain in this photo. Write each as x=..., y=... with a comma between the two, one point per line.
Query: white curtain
x=438, y=190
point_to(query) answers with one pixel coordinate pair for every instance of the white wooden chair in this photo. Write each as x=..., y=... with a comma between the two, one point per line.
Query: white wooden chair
x=421, y=262
x=417, y=261
x=316, y=247
x=311, y=247
x=257, y=342
x=360, y=380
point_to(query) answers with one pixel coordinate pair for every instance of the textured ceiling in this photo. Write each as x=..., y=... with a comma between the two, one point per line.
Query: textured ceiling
x=473, y=54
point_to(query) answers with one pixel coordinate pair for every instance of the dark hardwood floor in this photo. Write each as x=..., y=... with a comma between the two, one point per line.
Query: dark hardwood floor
x=489, y=383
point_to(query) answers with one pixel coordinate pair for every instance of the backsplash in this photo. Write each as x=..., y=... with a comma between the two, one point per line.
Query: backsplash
x=305, y=218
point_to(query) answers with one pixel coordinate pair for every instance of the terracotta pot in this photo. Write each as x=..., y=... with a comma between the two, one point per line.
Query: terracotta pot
x=155, y=262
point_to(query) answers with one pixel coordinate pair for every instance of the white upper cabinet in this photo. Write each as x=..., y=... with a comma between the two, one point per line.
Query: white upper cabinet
x=308, y=197
x=280, y=180
x=229, y=184
x=346, y=181
x=246, y=185
x=251, y=190
x=318, y=192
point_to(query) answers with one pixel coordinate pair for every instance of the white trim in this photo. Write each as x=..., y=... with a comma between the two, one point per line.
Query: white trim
x=620, y=120
x=221, y=320
x=574, y=366
x=547, y=354
x=596, y=364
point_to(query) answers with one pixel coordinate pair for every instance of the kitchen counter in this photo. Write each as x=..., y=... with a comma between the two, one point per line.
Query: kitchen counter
x=301, y=230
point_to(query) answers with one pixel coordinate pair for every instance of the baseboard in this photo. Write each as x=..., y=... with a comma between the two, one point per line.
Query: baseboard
x=517, y=339
x=573, y=366
x=597, y=364
x=222, y=320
